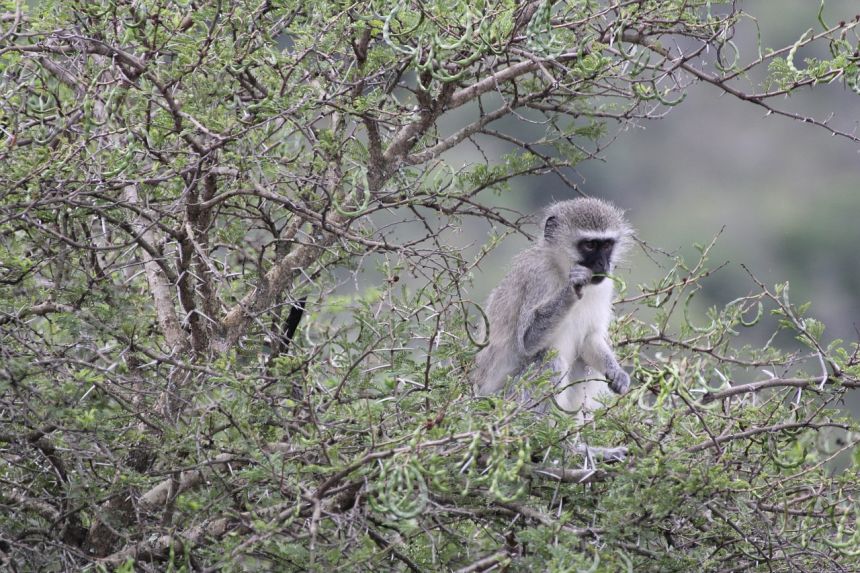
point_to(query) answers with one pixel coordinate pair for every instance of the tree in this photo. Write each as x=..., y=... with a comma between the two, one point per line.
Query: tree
x=186, y=187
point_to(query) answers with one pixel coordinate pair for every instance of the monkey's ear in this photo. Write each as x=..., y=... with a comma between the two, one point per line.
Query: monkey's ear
x=550, y=228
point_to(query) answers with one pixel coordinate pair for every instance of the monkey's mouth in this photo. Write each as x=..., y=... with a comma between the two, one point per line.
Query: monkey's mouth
x=597, y=279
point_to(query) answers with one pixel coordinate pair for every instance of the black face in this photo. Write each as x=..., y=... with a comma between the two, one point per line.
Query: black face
x=596, y=254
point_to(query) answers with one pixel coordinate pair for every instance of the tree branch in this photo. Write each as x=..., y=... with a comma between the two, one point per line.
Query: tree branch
x=158, y=284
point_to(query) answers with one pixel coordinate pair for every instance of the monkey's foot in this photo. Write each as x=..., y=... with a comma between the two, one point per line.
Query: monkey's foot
x=616, y=454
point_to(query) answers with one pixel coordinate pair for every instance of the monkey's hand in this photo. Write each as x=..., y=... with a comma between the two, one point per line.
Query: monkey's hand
x=579, y=277
x=620, y=382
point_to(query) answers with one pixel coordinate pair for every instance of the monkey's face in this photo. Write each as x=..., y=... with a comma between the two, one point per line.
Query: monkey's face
x=596, y=254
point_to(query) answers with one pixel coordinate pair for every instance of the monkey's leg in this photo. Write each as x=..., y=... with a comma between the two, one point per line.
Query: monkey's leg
x=541, y=403
x=492, y=369
x=583, y=398
x=579, y=392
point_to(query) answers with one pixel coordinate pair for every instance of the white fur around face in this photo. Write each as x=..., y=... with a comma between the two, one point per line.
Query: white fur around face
x=600, y=235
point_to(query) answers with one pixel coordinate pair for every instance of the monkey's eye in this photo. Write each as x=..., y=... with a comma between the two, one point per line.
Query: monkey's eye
x=588, y=245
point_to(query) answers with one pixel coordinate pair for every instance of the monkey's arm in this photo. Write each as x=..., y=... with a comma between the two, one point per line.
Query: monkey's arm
x=599, y=355
x=536, y=321
x=534, y=324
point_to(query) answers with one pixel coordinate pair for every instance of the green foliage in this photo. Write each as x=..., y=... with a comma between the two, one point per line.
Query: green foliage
x=235, y=321
x=784, y=74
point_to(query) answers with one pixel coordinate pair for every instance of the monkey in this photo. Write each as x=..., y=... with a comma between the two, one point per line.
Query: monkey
x=556, y=297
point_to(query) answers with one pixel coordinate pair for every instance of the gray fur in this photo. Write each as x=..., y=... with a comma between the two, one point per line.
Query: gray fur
x=547, y=301
x=548, y=315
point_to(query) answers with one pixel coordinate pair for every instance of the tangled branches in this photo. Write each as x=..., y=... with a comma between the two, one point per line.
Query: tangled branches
x=190, y=189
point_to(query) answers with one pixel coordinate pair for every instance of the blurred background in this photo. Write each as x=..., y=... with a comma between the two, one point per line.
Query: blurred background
x=787, y=193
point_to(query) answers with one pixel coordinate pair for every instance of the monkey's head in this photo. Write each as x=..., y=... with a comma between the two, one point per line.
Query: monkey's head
x=588, y=232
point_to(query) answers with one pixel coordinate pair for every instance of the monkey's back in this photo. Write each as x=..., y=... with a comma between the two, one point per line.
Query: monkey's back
x=532, y=278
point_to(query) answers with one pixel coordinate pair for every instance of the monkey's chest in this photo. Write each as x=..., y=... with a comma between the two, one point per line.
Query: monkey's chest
x=587, y=317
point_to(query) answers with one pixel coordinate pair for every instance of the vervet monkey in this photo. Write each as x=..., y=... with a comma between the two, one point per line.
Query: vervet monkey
x=555, y=297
